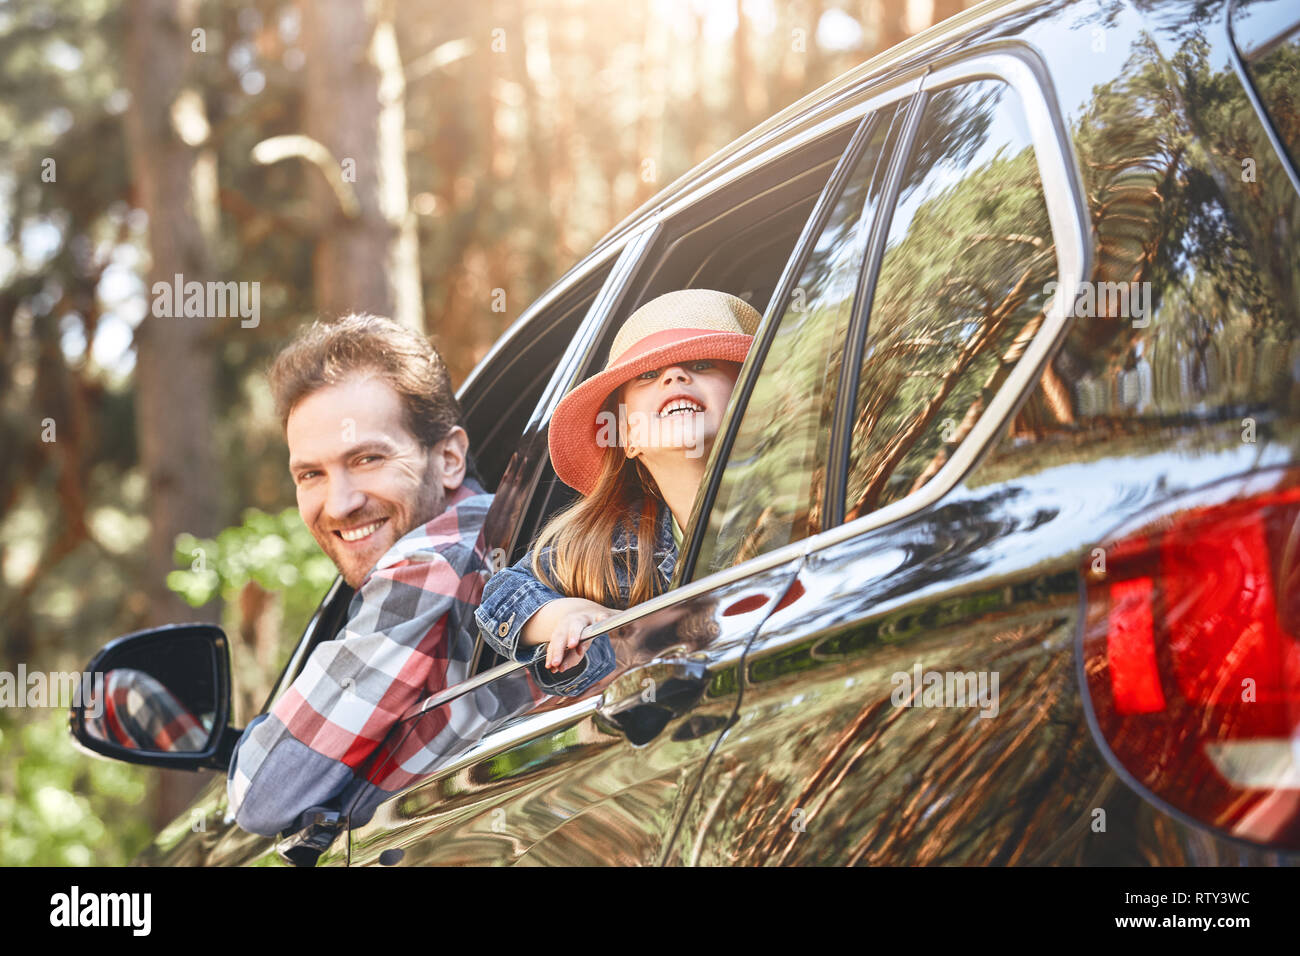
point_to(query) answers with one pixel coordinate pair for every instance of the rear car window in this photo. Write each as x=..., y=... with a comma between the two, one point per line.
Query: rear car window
x=1190, y=318
x=962, y=289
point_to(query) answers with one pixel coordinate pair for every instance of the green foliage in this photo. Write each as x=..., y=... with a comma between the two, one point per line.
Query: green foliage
x=59, y=807
x=275, y=551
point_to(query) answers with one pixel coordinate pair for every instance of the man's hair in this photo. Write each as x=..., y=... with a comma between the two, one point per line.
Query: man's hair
x=327, y=353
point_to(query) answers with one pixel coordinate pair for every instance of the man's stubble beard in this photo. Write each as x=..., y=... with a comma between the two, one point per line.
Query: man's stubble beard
x=431, y=503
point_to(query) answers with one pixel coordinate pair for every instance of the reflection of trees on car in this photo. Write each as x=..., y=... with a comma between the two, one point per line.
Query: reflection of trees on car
x=960, y=293
x=1172, y=206
x=775, y=473
x=1162, y=176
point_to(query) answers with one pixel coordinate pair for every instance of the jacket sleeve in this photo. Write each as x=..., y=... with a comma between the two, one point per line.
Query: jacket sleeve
x=510, y=599
x=307, y=748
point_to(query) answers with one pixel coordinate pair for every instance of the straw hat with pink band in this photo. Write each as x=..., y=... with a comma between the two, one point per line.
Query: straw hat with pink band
x=683, y=326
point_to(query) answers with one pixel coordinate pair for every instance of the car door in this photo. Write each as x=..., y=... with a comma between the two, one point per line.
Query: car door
x=841, y=751
x=606, y=778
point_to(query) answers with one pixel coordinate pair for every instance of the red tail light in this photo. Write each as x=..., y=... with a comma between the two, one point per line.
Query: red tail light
x=1191, y=655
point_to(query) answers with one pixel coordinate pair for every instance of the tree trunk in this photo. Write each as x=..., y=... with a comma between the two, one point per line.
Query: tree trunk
x=366, y=259
x=653, y=104
x=943, y=9
x=748, y=94
x=174, y=369
x=892, y=19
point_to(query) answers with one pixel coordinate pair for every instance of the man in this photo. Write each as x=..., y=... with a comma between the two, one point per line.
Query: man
x=380, y=459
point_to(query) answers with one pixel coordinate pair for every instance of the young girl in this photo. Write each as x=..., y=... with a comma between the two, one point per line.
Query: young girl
x=633, y=440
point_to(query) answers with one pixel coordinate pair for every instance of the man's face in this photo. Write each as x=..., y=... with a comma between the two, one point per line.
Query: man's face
x=363, y=480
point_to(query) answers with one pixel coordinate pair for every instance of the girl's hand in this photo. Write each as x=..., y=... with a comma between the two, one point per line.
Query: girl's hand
x=564, y=650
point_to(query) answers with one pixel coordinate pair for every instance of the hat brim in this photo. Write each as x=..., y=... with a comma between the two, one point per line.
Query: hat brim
x=572, y=439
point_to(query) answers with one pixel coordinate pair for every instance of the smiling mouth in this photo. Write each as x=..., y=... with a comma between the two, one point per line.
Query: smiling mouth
x=356, y=534
x=680, y=406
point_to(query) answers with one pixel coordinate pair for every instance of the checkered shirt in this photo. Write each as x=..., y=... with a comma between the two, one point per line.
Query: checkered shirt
x=409, y=633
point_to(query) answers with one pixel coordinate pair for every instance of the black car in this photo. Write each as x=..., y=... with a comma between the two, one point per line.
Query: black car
x=998, y=556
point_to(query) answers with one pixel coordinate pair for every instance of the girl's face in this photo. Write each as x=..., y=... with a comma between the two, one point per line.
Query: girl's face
x=674, y=412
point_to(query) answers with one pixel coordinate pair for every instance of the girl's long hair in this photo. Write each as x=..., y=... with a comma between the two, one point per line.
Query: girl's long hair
x=582, y=533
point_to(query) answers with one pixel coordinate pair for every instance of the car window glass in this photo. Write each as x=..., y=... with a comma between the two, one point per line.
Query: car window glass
x=1190, y=312
x=963, y=283
x=1267, y=35
x=771, y=485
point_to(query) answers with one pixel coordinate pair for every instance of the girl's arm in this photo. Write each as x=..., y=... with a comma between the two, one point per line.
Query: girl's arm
x=560, y=624
x=518, y=613
x=510, y=599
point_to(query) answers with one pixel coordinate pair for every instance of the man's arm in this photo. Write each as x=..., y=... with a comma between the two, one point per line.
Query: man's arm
x=394, y=646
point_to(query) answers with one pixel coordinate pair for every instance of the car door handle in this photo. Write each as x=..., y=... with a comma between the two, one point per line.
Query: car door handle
x=641, y=702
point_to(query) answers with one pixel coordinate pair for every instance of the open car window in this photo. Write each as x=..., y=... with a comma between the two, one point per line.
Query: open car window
x=738, y=240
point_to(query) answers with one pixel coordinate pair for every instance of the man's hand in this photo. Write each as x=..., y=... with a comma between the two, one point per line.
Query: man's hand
x=559, y=624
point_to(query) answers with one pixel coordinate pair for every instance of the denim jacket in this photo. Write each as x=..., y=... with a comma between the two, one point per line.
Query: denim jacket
x=513, y=595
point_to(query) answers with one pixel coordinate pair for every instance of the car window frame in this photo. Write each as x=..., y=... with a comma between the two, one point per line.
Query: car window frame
x=1067, y=214
x=897, y=90
x=794, y=272
x=1290, y=164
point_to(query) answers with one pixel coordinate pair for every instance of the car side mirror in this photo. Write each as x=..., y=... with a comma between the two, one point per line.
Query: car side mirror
x=159, y=697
